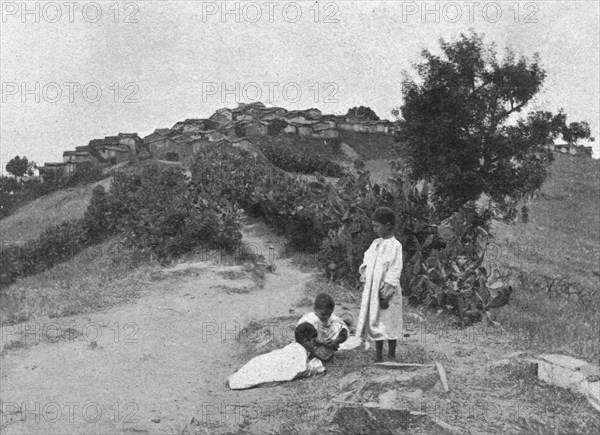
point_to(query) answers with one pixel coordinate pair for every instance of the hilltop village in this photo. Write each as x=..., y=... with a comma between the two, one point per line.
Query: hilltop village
x=235, y=126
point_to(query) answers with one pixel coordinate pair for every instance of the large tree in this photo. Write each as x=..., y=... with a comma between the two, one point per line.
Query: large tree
x=459, y=126
x=576, y=131
x=19, y=166
x=363, y=112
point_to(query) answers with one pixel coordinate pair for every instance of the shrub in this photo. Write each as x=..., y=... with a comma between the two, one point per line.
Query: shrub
x=335, y=144
x=157, y=214
x=289, y=159
x=276, y=126
x=56, y=244
x=172, y=157
x=153, y=210
x=442, y=262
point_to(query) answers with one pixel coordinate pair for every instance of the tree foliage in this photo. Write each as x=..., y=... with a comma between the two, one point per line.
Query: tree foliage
x=459, y=129
x=363, y=112
x=577, y=131
x=19, y=166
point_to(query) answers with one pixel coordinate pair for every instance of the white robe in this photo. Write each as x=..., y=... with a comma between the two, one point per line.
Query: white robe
x=382, y=264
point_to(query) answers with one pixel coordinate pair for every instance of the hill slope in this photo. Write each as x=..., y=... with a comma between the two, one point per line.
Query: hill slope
x=562, y=235
x=30, y=221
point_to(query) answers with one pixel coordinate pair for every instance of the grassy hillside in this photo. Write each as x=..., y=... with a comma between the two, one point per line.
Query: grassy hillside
x=30, y=221
x=555, y=259
x=97, y=277
x=563, y=232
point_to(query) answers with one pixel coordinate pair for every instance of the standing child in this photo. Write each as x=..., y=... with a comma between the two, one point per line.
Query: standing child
x=332, y=331
x=380, y=317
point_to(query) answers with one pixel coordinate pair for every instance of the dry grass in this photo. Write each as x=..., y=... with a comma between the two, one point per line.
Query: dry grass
x=98, y=277
x=562, y=236
x=561, y=239
x=30, y=221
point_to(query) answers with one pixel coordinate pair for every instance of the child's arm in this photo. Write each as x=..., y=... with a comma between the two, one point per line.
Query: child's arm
x=342, y=337
x=335, y=343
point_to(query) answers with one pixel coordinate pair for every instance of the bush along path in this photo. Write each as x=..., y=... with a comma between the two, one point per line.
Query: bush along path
x=148, y=366
x=443, y=266
x=159, y=365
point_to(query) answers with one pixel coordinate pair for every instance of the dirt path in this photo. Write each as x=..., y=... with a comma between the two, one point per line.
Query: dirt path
x=159, y=365
x=154, y=364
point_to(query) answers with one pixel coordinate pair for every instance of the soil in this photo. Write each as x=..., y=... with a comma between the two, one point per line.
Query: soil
x=160, y=363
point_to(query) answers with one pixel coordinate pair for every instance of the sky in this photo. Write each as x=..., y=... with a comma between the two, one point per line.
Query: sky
x=74, y=71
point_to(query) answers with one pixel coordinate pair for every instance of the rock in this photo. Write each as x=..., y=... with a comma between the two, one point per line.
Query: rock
x=348, y=380
x=388, y=399
x=155, y=420
x=567, y=372
x=344, y=397
x=415, y=394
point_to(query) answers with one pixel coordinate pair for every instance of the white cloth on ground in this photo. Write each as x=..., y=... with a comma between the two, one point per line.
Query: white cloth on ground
x=352, y=343
x=281, y=365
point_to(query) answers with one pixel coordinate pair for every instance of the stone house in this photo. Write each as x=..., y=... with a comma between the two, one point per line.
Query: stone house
x=298, y=119
x=229, y=130
x=55, y=170
x=214, y=136
x=222, y=117
x=252, y=128
x=131, y=141
x=248, y=109
x=78, y=156
x=161, y=148
x=364, y=126
x=308, y=114
x=290, y=129
x=304, y=130
x=270, y=113
x=157, y=134
x=114, y=154
x=192, y=125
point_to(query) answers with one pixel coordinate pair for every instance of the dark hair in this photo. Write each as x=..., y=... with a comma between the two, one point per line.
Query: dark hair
x=323, y=300
x=384, y=215
x=304, y=332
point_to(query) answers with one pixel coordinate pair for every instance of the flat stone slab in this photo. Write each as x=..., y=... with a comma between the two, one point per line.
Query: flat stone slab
x=574, y=374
